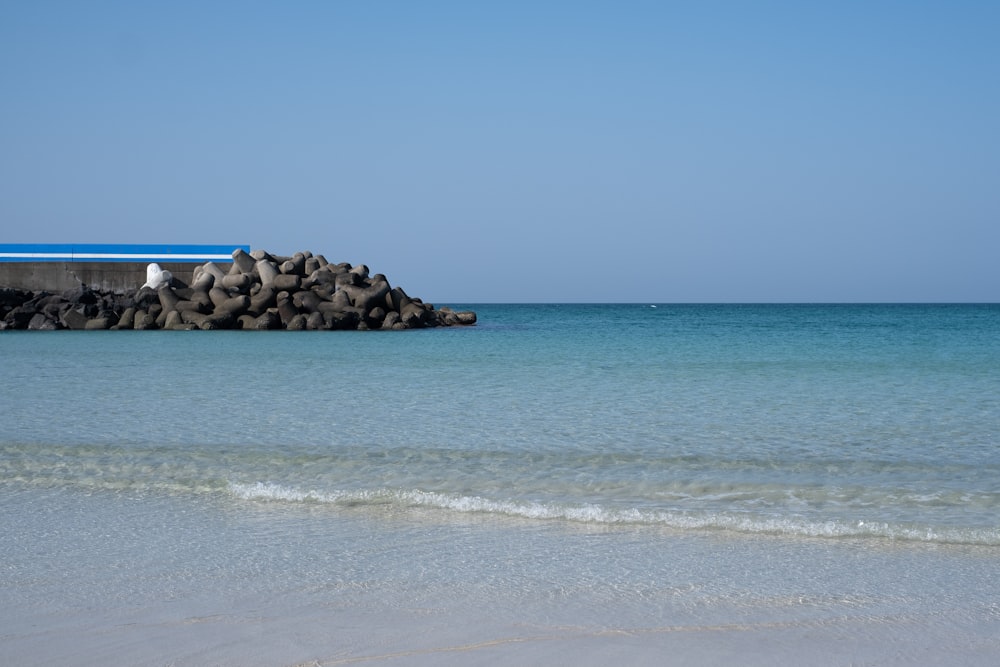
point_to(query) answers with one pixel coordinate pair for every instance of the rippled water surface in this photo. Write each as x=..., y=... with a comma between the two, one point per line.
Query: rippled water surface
x=551, y=457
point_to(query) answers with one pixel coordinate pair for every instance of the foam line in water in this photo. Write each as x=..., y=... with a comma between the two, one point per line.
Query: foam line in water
x=596, y=514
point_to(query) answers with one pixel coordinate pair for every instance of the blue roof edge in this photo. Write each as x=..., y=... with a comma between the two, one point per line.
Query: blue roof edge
x=115, y=252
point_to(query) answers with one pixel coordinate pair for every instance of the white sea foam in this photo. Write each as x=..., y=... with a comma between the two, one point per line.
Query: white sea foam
x=596, y=514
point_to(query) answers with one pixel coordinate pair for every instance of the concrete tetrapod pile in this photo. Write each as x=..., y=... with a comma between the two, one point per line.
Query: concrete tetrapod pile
x=258, y=291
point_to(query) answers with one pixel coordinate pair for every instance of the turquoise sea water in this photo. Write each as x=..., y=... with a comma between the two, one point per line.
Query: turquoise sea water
x=600, y=466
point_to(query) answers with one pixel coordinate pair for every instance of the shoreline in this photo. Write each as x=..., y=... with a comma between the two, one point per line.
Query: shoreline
x=304, y=585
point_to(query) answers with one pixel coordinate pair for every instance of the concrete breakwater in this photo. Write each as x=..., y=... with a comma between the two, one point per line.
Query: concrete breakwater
x=256, y=291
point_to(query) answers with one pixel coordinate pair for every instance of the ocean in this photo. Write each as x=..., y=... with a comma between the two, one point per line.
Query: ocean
x=560, y=484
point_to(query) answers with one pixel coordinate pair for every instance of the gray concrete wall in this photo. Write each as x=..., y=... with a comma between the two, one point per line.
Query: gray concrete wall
x=120, y=277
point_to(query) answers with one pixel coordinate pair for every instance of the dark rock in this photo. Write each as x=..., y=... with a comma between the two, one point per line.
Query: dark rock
x=238, y=281
x=201, y=298
x=12, y=298
x=260, y=291
x=39, y=322
x=264, y=299
x=202, y=281
x=297, y=323
x=54, y=309
x=367, y=298
x=375, y=317
x=391, y=319
x=286, y=310
x=327, y=279
x=143, y=321
x=217, y=273
x=74, y=318
x=218, y=296
x=269, y=320
x=267, y=271
x=324, y=291
x=414, y=316
x=396, y=299
x=307, y=301
x=168, y=299
x=341, y=300
x=81, y=294
x=174, y=321
x=195, y=306
x=209, y=322
x=348, y=319
x=235, y=306
x=344, y=279
x=127, y=320
x=146, y=297
x=243, y=262
x=315, y=321
x=20, y=317
x=289, y=282
x=295, y=265
x=99, y=324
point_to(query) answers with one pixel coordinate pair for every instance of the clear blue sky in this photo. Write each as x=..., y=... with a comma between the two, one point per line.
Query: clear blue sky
x=523, y=151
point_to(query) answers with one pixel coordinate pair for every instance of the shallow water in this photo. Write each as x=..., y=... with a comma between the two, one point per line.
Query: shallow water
x=595, y=478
